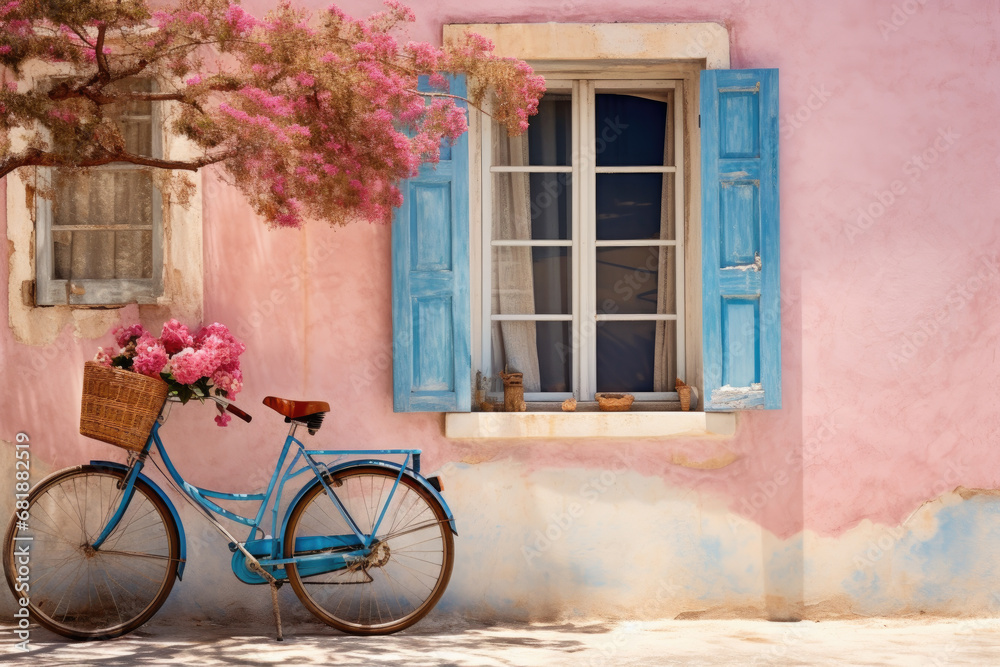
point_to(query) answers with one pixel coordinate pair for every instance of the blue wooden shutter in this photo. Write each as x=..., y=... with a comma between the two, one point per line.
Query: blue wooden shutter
x=431, y=321
x=739, y=179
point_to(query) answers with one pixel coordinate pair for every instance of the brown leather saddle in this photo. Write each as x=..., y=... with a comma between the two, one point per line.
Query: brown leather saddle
x=310, y=413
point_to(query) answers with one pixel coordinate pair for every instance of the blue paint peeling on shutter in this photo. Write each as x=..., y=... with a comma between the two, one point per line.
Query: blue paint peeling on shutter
x=431, y=320
x=740, y=251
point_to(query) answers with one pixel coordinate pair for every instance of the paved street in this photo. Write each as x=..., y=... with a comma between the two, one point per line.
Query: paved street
x=461, y=644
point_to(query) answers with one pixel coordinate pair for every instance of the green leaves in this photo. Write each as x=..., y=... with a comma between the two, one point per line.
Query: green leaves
x=200, y=389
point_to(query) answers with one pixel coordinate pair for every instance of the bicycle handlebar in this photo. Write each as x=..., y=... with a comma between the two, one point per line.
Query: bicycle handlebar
x=221, y=402
x=239, y=413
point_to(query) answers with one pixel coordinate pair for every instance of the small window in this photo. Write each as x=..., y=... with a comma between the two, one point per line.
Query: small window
x=583, y=235
x=99, y=231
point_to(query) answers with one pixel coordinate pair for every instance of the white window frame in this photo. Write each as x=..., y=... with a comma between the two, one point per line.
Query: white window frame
x=649, y=50
x=50, y=291
x=583, y=242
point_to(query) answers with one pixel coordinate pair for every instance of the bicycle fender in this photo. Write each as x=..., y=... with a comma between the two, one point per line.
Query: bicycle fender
x=381, y=464
x=166, y=501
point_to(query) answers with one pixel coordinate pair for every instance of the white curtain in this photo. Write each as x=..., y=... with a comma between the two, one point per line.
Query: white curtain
x=515, y=344
x=98, y=198
x=664, y=355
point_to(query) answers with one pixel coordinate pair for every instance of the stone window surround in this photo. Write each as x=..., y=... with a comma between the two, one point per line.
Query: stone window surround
x=554, y=47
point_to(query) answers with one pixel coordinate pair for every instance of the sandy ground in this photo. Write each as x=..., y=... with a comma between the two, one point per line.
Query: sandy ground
x=590, y=644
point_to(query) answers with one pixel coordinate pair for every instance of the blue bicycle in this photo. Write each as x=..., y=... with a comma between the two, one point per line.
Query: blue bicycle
x=365, y=543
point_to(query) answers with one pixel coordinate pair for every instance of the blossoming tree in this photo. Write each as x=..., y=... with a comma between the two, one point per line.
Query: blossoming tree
x=310, y=116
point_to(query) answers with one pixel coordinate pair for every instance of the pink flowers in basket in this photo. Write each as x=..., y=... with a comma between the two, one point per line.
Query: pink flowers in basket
x=193, y=365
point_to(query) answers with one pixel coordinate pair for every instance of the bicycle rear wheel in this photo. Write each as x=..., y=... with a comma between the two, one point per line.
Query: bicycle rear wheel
x=404, y=573
x=75, y=590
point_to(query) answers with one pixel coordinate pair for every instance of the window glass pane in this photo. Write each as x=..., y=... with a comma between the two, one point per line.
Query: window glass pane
x=541, y=350
x=529, y=281
x=548, y=141
x=138, y=136
x=133, y=254
x=532, y=206
x=636, y=280
x=102, y=197
x=636, y=356
x=634, y=206
x=630, y=131
x=83, y=255
x=134, y=119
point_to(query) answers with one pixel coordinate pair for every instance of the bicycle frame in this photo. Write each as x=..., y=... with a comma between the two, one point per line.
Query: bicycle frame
x=268, y=550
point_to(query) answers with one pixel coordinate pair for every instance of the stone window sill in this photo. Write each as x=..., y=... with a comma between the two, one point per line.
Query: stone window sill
x=560, y=425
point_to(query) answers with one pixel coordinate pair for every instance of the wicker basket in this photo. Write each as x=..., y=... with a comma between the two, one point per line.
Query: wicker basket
x=614, y=402
x=119, y=407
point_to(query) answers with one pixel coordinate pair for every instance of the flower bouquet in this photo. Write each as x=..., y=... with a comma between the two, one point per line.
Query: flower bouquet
x=193, y=365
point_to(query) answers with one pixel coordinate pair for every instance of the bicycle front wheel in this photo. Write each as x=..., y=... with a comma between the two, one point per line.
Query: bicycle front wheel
x=75, y=590
x=389, y=586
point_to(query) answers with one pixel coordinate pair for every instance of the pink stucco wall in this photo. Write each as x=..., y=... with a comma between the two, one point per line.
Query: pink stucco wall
x=890, y=160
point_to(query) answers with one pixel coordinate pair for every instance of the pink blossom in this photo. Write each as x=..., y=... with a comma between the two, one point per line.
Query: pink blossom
x=194, y=80
x=231, y=382
x=9, y=7
x=150, y=357
x=425, y=56
x=223, y=419
x=275, y=104
x=404, y=12
x=240, y=21
x=4, y=48
x=175, y=337
x=305, y=79
x=195, y=20
x=221, y=338
x=188, y=366
x=437, y=80
x=19, y=27
x=104, y=356
x=124, y=335
x=63, y=115
x=291, y=216
x=161, y=18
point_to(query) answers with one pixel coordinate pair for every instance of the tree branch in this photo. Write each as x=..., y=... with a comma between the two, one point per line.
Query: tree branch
x=102, y=62
x=456, y=97
x=82, y=36
x=93, y=88
x=34, y=157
